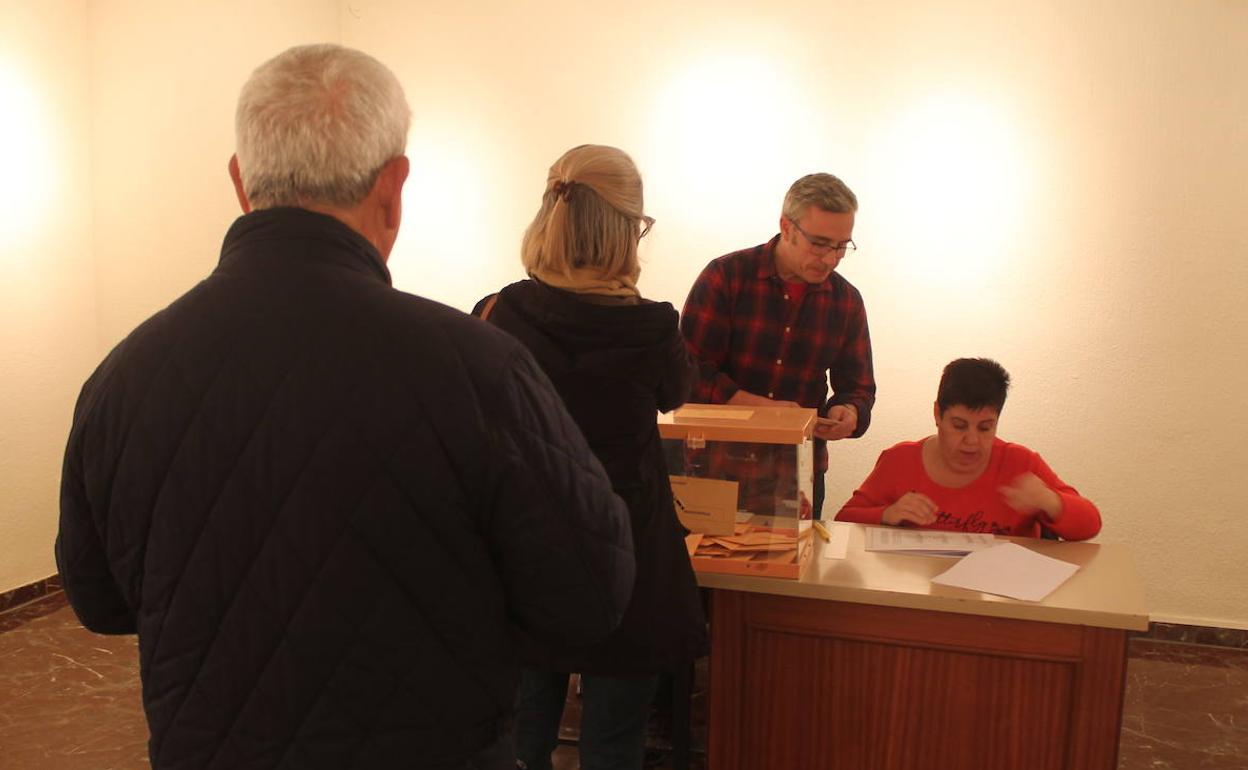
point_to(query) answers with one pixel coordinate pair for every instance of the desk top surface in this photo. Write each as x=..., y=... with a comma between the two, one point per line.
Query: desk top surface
x=1105, y=592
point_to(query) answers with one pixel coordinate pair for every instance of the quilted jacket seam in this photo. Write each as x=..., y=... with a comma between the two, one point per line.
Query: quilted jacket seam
x=199, y=539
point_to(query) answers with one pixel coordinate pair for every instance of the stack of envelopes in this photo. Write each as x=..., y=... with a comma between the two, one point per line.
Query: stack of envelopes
x=747, y=543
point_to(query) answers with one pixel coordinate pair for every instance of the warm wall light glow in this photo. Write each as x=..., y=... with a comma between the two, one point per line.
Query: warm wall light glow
x=953, y=168
x=702, y=113
x=716, y=140
x=25, y=156
x=442, y=220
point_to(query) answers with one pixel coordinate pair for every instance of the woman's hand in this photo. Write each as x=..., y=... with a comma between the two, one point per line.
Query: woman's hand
x=1028, y=494
x=914, y=507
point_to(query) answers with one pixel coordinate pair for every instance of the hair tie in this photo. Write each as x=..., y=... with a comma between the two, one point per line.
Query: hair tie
x=563, y=189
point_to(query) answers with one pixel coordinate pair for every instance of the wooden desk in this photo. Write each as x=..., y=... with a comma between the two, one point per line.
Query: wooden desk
x=865, y=664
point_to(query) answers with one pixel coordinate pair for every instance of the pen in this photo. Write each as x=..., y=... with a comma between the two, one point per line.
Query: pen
x=823, y=533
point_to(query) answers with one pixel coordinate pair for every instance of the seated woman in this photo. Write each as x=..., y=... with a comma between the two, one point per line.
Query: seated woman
x=965, y=478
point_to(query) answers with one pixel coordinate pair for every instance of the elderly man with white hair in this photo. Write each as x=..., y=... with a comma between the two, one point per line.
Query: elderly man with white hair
x=327, y=507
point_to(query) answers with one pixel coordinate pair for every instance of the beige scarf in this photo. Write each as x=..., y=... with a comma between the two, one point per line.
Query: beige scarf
x=585, y=280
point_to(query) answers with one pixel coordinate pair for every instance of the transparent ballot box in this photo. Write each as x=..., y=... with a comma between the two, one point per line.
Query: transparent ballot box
x=741, y=478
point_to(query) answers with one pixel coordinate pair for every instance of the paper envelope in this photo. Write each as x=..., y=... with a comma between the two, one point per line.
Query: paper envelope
x=708, y=506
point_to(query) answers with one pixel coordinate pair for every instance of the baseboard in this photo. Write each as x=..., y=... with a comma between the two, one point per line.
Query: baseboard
x=1208, y=635
x=16, y=597
x=1195, y=620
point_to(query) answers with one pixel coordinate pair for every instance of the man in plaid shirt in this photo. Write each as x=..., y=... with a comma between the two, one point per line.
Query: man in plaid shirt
x=768, y=325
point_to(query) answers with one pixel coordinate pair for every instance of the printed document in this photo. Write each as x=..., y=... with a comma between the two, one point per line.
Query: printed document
x=926, y=542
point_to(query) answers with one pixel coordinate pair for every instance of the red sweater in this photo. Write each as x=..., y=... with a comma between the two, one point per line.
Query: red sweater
x=978, y=506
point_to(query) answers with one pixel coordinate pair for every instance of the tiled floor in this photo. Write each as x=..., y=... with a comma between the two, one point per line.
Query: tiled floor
x=69, y=700
x=1186, y=707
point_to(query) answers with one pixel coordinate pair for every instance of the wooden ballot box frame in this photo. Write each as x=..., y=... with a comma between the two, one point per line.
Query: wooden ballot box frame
x=749, y=505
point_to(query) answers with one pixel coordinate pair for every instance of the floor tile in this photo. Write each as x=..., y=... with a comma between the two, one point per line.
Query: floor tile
x=69, y=700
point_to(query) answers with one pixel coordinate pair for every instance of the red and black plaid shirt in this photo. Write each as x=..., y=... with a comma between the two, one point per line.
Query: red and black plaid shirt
x=745, y=334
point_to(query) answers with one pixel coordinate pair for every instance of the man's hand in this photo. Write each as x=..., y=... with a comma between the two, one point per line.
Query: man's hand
x=840, y=423
x=745, y=398
x=914, y=507
x=1028, y=494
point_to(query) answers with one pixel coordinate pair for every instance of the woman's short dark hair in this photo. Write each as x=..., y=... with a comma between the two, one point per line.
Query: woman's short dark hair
x=975, y=383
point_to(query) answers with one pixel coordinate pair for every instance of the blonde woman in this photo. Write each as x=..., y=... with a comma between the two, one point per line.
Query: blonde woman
x=615, y=358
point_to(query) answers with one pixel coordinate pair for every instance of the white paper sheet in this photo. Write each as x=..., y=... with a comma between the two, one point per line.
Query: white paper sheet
x=1009, y=570
x=926, y=542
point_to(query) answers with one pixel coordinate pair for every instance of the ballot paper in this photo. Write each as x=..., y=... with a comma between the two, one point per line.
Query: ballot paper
x=1009, y=570
x=926, y=542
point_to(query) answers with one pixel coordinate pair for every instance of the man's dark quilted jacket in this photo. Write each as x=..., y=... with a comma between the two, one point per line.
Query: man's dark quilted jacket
x=328, y=508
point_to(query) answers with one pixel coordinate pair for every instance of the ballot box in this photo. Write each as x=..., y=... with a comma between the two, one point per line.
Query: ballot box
x=742, y=484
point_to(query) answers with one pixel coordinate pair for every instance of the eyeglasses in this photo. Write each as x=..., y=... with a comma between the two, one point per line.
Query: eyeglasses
x=646, y=224
x=823, y=245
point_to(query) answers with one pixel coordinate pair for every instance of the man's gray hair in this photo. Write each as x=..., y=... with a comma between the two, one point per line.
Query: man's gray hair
x=822, y=191
x=315, y=124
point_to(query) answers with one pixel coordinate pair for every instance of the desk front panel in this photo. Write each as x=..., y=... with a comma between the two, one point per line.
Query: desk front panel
x=807, y=683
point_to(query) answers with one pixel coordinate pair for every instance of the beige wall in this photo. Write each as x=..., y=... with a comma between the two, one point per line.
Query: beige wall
x=165, y=78
x=47, y=279
x=1054, y=185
